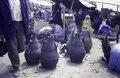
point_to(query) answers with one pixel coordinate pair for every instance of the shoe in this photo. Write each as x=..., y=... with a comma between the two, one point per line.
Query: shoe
x=16, y=73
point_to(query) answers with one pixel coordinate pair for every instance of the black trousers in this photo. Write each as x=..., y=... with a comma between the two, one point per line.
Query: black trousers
x=16, y=45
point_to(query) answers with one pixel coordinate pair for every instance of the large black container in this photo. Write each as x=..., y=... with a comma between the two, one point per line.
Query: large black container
x=86, y=40
x=76, y=50
x=33, y=51
x=49, y=56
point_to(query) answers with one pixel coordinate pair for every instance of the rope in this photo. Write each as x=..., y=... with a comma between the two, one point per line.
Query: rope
x=70, y=11
x=71, y=7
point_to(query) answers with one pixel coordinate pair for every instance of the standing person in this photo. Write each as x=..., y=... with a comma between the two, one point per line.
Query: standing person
x=13, y=25
x=56, y=14
x=87, y=24
x=78, y=20
x=46, y=16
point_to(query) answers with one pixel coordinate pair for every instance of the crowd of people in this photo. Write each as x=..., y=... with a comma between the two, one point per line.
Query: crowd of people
x=38, y=13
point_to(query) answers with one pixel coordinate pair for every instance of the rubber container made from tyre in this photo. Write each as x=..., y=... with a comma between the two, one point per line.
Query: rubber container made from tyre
x=86, y=41
x=76, y=51
x=49, y=56
x=33, y=52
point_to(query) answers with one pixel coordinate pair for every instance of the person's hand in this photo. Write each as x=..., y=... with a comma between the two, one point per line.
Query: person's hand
x=54, y=35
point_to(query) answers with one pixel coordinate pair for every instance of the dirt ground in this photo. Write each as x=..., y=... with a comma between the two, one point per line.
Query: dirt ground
x=92, y=67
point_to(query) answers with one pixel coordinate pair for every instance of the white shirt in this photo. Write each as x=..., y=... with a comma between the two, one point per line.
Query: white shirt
x=104, y=23
x=15, y=10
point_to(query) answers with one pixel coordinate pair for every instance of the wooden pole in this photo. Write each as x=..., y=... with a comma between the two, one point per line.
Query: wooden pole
x=102, y=5
x=117, y=8
x=64, y=17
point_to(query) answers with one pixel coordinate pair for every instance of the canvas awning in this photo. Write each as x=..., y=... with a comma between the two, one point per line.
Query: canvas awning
x=77, y=4
x=42, y=2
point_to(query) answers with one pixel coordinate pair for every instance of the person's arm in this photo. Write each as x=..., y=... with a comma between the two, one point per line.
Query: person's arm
x=91, y=29
x=0, y=25
x=108, y=22
x=58, y=32
x=83, y=23
x=28, y=6
x=26, y=9
x=1, y=33
x=99, y=22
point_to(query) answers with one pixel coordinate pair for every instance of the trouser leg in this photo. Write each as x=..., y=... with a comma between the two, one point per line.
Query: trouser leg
x=20, y=36
x=13, y=53
x=16, y=45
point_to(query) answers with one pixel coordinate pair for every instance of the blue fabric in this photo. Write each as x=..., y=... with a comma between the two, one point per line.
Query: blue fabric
x=99, y=23
x=114, y=62
x=6, y=23
x=105, y=30
x=107, y=22
x=59, y=33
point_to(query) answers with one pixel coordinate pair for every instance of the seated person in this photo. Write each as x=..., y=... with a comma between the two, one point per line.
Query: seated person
x=57, y=31
x=104, y=28
x=54, y=30
x=87, y=24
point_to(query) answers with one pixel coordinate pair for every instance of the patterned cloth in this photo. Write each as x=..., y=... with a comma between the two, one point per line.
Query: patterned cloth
x=15, y=10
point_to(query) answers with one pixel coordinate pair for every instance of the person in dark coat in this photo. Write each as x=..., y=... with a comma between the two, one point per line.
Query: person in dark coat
x=78, y=20
x=14, y=23
x=57, y=14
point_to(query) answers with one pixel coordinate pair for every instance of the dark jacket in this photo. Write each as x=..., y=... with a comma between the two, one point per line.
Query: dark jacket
x=6, y=23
